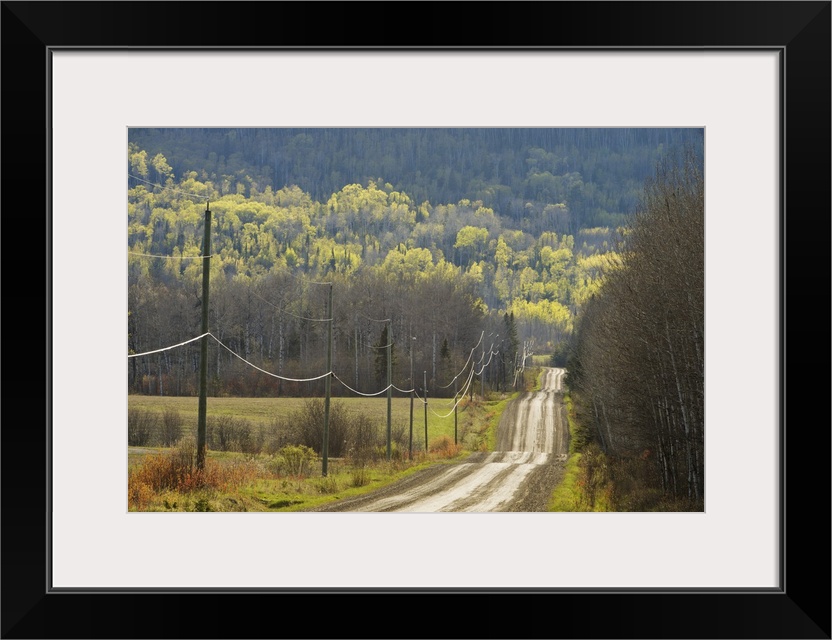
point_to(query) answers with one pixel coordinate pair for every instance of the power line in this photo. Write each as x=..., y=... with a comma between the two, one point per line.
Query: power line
x=283, y=310
x=320, y=377
x=366, y=395
x=303, y=280
x=153, y=255
x=491, y=354
x=461, y=395
x=372, y=319
x=465, y=366
x=232, y=352
x=274, y=375
x=136, y=355
x=161, y=186
x=289, y=313
x=461, y=398
x=384, y=346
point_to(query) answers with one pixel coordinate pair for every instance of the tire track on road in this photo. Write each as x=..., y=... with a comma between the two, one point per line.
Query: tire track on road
x=531, y=436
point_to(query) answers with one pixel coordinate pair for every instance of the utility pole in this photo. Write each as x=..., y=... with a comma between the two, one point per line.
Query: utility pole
x=389, y=386
x=491, y=359
x=482, y=372
x=426, y=411
x=412, y=390
x=328, y=386
x=201, y=440
x=456, y=403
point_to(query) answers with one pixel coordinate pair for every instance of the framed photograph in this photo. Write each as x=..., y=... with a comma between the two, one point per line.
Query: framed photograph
x=754, y=75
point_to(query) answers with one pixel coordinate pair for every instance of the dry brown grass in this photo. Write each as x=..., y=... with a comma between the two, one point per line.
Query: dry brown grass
x=177, y=471
x=444, y=447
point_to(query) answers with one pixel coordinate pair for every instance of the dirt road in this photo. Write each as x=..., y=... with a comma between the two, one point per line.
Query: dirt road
x=532, y=443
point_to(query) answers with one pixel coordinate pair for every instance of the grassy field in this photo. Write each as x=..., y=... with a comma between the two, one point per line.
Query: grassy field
x=165, y=479
x=264, y=411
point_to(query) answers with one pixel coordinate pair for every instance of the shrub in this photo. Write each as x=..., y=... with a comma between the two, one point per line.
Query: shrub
x=399, y=434
x=444, y=447
x=293, y=460
x=171, y=427
x=226, y=433
x=167, y=471
x=139, y=495
x=359, y=476
x=141, y=426
x=594, y=480
x=177, y=471
x=275, y=436
x=327, y=485
x=308, y=427
x=365, y=438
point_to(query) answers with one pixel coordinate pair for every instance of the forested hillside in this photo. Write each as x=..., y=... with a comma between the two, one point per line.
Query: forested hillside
x=597, y=173
x=463, y=238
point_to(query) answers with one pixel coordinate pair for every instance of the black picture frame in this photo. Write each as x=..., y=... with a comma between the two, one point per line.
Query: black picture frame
x=800, y=608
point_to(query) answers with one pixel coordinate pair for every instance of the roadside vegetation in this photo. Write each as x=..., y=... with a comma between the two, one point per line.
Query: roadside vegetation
x=264, y=453
x=596, y=481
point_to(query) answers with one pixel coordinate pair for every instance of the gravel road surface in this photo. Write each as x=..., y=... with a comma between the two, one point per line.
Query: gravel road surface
x=532, y=444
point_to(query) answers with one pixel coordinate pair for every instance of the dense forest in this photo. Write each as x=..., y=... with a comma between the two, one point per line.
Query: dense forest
x=517, y=173
x=468, y=240
x=636, y=371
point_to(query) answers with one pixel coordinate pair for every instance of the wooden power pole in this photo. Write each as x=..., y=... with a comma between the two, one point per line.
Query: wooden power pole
x=201, y=439
x=425, y=391
x=328, y=386
x=389, y=388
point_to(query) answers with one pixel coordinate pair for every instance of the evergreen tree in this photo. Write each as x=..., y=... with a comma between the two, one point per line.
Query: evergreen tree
x=445, y=360
x=511, y=347
x=381, y=357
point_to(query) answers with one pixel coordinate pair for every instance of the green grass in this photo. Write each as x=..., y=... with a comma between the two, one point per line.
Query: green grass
x=269, y=492
x=338, y=485
x=538, y=379
x=264, y=410
x=494, y=411
x=566, y=496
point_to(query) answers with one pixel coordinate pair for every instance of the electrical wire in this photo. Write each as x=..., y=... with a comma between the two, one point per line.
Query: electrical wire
x=146, y=353
x=461, y=397
x=465, y=366
x=289, y=312
x=366, y=395
x=273, y=375
x=372, y=346
x=304, y=280
x=372, y=319
x=153, y=255
x=232, y=352
x=490, y=356
x=294, y=315
x=161, y=186
x=332, y=373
